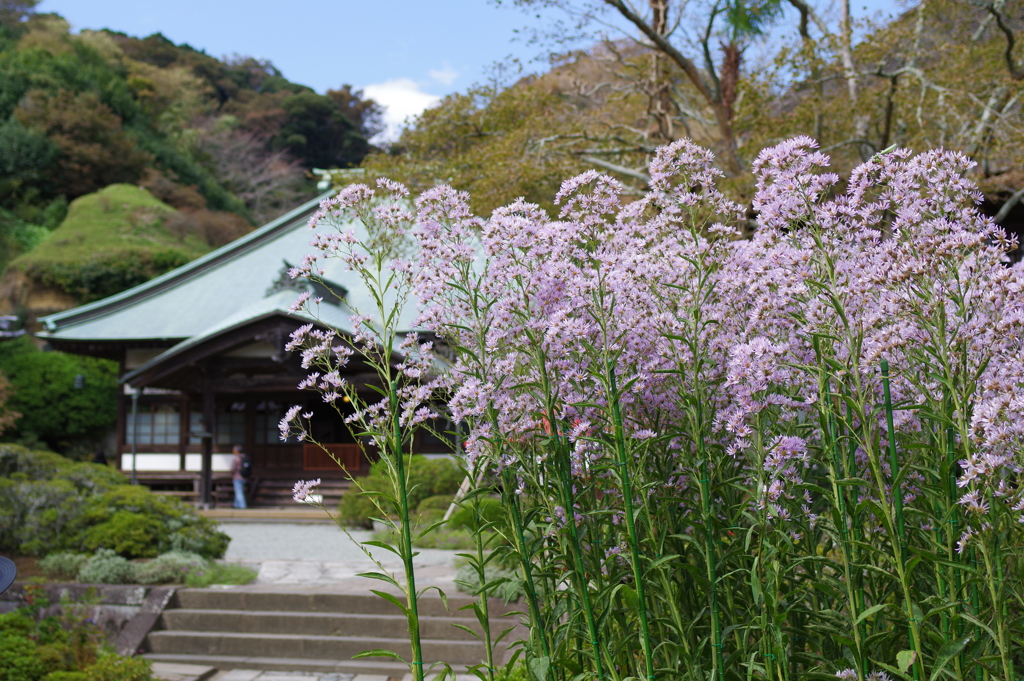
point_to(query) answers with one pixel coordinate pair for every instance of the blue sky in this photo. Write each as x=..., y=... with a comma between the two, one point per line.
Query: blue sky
x=403, y=53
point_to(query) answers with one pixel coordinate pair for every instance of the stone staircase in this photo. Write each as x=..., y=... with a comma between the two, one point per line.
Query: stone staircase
x=313, y=632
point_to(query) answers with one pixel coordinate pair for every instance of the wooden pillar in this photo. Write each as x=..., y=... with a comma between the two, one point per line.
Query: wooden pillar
x=183, y=430
x=209, y=408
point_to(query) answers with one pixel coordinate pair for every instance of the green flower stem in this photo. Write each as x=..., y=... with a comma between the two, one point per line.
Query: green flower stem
x=627, y=493
x=562, y=455
x=846, y=549
x=901, y=542
x=994, y=583
x=412, y=597
x=525, y=562
x=718, y=658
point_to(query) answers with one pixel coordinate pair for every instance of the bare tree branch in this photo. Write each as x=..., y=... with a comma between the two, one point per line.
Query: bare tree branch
x=995, y=10
x=695, y=76
x=1009, y=205
x=807, y=12
x=616, y=168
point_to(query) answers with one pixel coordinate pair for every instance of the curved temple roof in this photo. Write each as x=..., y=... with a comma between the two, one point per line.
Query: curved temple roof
x=243, y=281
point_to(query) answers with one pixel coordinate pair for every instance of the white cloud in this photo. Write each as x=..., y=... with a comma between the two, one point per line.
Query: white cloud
x=402, y=98
x=445, y=76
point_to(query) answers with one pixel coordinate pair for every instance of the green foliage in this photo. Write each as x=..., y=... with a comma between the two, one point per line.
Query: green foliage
x=106, y=567
x=172, y=525
x=134, y=535
x=66, y=676
x=427, y=478
x=320, y=133
x=467, y=580
x=19, y=660
x=70, y=649
x=467, y=517
x=64, y=565
x=434, y=508
x=82, y=111
x=53, y=409
x=117, y=668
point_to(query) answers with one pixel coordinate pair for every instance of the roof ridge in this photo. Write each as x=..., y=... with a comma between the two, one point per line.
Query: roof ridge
x=183, y=273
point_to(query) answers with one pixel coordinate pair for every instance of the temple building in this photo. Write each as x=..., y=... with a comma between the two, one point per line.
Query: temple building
x=204, y=367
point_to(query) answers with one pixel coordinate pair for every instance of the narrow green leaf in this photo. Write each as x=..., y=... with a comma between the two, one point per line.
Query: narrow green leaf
x=391, y=598
x=377, y=652
x=946, y=653
x=381, y=576
x=869, y=612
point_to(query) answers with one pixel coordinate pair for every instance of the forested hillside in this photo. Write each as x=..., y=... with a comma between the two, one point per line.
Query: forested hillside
x=225, y=143
x=944, y=73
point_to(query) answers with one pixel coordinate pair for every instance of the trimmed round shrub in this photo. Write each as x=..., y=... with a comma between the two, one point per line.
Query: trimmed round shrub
x=132, y=535
x=66, y=676
x=427, y=478
x=170, y=525
x=489, y=509
x=172, y=567
x=106, y=567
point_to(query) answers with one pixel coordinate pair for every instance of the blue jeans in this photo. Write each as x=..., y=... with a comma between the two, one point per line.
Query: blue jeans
x=239, y=494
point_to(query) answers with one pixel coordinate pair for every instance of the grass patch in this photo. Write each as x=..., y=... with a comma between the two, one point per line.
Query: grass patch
x=220, y=573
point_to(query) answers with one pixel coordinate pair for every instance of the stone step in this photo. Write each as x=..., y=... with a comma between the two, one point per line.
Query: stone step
x=312, y=647
x=392, y=668
x=264, y=601
x=333, y=624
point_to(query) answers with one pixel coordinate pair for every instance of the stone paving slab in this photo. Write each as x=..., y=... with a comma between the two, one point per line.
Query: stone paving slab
x=168, y=671
x=258, y=675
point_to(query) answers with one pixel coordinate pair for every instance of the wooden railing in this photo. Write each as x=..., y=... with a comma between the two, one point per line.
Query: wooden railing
x=314, y=458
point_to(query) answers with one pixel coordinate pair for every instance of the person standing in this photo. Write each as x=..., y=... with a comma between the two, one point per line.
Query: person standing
x=237, y=476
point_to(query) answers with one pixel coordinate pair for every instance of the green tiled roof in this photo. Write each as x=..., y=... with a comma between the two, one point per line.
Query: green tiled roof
x=217, y=292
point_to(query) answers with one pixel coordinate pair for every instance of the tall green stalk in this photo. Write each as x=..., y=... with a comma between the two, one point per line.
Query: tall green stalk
x=718, y=657
x=627, y=493
x=412, y=598
x=901, y=540
x=525, y=562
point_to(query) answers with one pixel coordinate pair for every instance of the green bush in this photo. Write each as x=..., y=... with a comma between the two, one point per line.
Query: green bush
x=50, y=504
x=170, y=525
x=489, y=510
x=106, y=567
x=102, y=275
x=19, y=660
x=133, y=535
x=438, y=503
x=52, y=408
x=64, y=565
x=117, y=668
x=427, y=478
x=67, y=676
